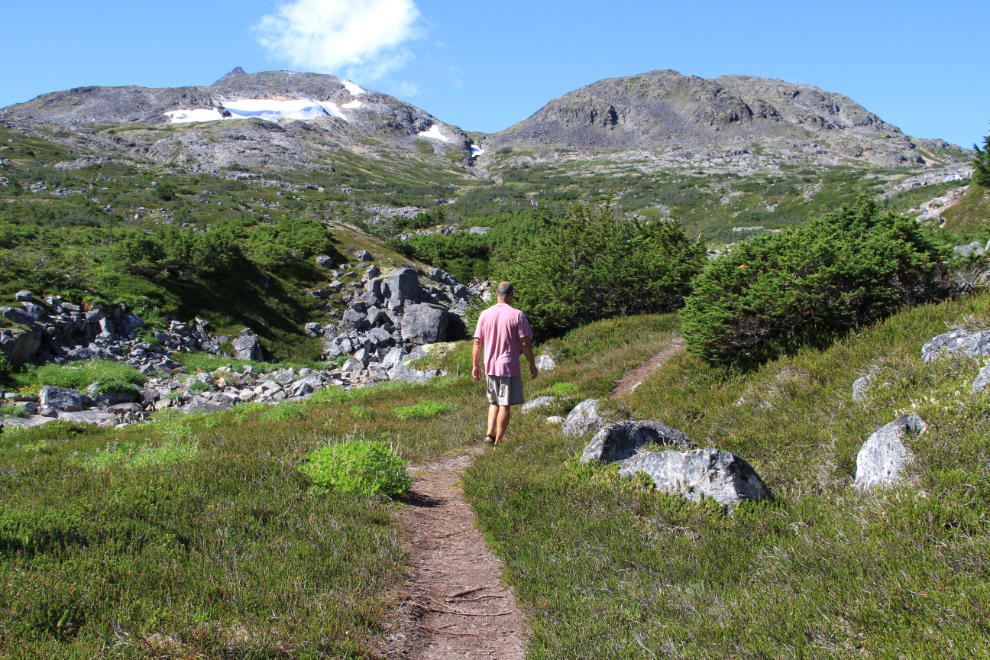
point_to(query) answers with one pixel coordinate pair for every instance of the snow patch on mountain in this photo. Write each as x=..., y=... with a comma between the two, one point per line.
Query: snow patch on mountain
x=434, y=134
x=352, y=88
x=267, y=109
x=353, y=105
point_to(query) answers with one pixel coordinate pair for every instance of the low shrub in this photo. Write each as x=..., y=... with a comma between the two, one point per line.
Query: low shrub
x=564, y=389
x=136, y=455
x=358, y=467
x=199, y=387
x=284, y=412
x=810, y=284
x=112, y=376
x=423, y=410
x=12, y=411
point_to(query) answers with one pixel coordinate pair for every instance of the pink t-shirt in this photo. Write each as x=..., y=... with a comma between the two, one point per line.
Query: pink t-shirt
x=500, y=329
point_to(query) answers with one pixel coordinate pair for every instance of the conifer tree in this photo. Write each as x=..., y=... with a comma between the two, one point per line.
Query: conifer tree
x=981, y=164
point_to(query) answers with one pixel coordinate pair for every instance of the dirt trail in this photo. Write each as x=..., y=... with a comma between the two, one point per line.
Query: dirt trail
x=458, y=606
x=635, y=378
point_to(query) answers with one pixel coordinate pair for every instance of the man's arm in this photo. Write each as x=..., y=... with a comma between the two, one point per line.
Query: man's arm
x=527, y=349
x=476, y=359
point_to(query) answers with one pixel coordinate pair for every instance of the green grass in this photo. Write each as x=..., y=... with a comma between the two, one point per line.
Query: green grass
x=423, y=410
x=611, y=568
x=112, y=376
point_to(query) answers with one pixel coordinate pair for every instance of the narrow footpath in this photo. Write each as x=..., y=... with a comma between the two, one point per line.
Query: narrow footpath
x=457, y=606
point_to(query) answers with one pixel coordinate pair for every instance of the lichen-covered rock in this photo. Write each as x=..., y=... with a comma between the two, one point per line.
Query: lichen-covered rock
x=882, y=459
x=94, y=417
x=620, y=440
x=424, y=324
x=323, y=261
x=971, y=344
x=584, y=418
x=60, y=398
x=546, y=362
x=402, y=285
x=982, y=379
x=720, y=475
x=246, y=346
x=860, y=387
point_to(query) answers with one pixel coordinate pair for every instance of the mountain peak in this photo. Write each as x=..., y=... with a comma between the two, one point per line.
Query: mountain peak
x=233, y=74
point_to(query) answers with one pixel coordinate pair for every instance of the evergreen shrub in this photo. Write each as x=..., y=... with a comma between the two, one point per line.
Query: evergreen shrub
x=810, y=284
x=594, y=265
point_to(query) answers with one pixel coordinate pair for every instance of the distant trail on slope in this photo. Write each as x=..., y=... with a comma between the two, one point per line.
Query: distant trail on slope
x=635, y=377
x=457, y=606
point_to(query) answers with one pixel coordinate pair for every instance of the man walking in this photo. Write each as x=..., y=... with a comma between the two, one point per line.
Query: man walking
x=502, y=331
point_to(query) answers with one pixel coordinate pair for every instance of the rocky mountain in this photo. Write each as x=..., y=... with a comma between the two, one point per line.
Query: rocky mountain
x=274, y=119
x=664, y=110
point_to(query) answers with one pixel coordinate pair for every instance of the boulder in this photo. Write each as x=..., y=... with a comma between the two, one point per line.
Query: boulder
x=314, y=329
x=545, y=362
x=353, y=320
x=35, y=311
x=883, y=457
x=19, y=345
x=982, y=379
x=971, y=344
x=204, y=406
x=60, y=398
x=424, y=324
x=323, y=261
x=28, y=422
x=23, y=296
x=620, y=440
x=860, y=387
x=555, y=420
x=402, y=284
x=363, y=255
x=94, y=417
x=124, y=408
x=720, y=475
x=246, y=346
x=372, y=273
x=15, y=315
x=584, y=418
x=538, y=402
x=973, y=249
x=306, y=386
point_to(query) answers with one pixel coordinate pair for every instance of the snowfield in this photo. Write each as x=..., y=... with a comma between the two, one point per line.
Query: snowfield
x=267, y=109
x=434, y=134
x=352, y=88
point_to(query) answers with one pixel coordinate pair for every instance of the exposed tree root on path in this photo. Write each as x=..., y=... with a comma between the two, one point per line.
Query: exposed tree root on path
x=635, y=377
x=457, y=606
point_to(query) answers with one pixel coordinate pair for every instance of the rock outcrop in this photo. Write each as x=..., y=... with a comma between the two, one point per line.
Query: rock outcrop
x=584, y=418
x=720, y=475
x=883, y=458
x=969, y=343
x=620, y=440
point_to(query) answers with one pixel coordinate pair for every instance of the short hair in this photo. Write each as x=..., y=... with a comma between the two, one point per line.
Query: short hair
x=505, y=289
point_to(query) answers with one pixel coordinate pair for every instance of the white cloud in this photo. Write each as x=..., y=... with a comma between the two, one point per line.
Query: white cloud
x=360, y=39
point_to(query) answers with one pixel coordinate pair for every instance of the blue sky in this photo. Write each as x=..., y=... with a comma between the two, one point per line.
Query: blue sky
x=485, y=66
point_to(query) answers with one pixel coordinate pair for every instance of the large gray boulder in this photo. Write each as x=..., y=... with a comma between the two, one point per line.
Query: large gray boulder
x=94, y=417
x=60, y=398
x=584, y=418
x=246, y=346
x=28, y=422
x=620, y=440
x=19, y=345
x=720, y=475
x=982, y=379
x=203, y=406
x=402, y=285
x=882, y=459
x=424, y=324
x=323, y=261
x=971, y=344
x=16, y=315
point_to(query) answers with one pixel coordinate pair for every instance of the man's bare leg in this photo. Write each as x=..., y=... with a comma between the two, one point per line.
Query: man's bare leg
x=492, y=420
x=504, y=413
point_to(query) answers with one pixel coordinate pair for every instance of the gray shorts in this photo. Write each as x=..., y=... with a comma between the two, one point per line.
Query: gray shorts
x=505, y=390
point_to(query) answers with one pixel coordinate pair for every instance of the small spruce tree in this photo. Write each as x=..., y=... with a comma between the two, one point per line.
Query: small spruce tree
x=981, y=164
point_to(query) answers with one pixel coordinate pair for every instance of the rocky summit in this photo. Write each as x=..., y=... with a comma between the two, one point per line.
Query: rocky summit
x=273, y=119
x=697, y=116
